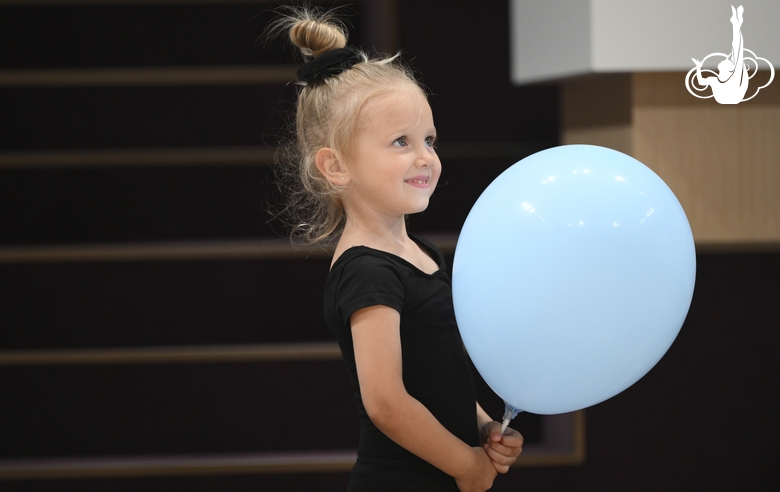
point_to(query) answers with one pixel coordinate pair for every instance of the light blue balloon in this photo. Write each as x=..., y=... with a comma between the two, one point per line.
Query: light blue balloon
x=572, y=277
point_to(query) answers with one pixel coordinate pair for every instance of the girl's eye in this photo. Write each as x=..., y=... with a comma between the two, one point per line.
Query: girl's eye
x=430, y=141
x=400, y=141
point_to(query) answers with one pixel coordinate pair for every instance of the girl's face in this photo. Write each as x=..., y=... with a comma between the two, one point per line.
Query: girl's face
x=393, y=165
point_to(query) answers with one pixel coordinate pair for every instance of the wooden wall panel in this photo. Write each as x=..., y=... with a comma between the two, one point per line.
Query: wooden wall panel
x=597, y=110
x=721, y=161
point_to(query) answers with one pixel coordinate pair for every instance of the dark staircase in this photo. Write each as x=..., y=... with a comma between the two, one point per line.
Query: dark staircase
x=157, y=330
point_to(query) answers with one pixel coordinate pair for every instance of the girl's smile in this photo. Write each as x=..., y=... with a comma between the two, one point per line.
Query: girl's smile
x=419, y=181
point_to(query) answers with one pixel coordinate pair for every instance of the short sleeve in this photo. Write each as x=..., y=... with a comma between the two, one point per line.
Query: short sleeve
x=368, y=280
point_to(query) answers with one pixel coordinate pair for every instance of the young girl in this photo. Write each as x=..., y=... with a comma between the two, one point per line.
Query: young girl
x=365, y=158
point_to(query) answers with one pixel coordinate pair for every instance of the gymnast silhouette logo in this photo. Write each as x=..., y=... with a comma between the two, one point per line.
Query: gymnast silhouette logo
x=730, y=84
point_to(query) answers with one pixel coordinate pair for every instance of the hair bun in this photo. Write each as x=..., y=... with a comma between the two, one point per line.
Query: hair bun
x=317, y=36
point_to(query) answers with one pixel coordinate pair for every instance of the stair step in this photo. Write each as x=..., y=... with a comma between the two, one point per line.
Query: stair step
x=46, y=118
x=127, y=304
x=160, y=409
x=177, y=465
x=242, y=249
x=265, y=482
x=99, y=34
x=154, y=76
x=180, y=157
x=181, y=354
x=83, y=205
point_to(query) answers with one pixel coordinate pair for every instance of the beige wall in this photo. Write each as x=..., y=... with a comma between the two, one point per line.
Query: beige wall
x=721, y=161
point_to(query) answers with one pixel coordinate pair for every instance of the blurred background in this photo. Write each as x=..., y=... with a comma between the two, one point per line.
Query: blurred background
x=158, y=332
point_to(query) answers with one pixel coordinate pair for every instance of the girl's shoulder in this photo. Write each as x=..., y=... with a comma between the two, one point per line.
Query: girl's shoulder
x=433, y=262
x=362, y=258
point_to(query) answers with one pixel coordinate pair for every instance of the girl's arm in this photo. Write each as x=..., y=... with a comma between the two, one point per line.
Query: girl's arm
x=482, y=416
x=504, y=449
x=377, y=342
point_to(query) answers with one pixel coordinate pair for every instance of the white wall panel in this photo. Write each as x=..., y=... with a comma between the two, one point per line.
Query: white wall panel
x=557, y=39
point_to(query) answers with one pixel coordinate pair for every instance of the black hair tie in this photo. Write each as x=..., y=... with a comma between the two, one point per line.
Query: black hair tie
x=328, y=64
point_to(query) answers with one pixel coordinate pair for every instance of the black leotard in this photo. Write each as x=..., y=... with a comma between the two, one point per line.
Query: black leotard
x=436, y=370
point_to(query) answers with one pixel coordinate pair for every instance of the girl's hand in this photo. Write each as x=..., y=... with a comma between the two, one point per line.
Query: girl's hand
x=503, y=450
x=479, y=477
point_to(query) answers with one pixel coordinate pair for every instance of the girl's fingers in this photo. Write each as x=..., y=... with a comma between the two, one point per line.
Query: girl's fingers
x=500, y=462
x=504, y=453
x=512, y=438
x=500, y=449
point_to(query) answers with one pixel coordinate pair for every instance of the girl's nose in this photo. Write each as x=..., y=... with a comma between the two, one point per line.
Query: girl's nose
x=426, y=157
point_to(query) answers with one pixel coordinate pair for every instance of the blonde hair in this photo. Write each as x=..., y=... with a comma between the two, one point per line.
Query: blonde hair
x=327, y=115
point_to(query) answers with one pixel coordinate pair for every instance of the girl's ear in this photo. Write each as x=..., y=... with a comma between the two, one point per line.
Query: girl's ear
x=329, y=163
